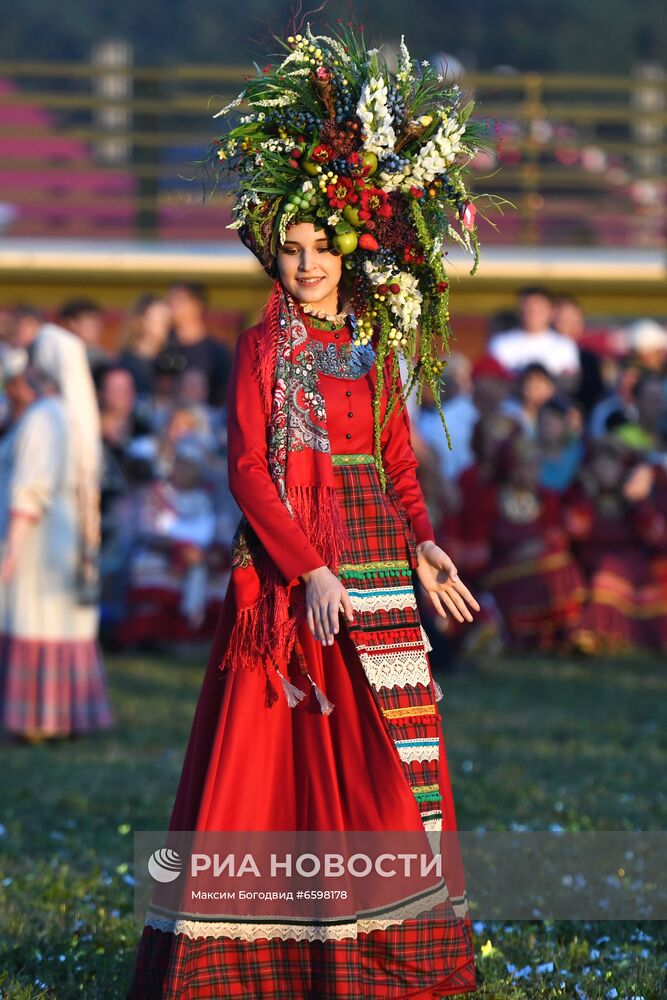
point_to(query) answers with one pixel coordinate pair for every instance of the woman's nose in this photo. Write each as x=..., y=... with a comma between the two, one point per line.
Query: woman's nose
x=305, y=261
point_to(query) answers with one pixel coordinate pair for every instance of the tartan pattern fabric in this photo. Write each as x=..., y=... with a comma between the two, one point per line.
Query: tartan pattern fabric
x=431, y=952
x=52, y=687
x=380, y=533
x=387, y=965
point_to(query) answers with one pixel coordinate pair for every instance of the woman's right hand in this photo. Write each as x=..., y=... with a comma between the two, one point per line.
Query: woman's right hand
x=324, y=596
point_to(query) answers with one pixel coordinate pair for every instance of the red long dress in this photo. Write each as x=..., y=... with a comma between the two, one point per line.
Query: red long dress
x=249, y=767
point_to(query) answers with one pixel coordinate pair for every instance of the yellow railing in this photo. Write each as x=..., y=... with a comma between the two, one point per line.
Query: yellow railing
x=95, y=150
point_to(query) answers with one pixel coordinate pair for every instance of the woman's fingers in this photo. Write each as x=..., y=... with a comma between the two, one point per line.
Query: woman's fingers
x=437, y=603
x=449, y=602
x=332, y=613
x=319, y=628
x=460, y=586
x=322, y=614
x=347, y=605
x=450, y=593
x=310, y=618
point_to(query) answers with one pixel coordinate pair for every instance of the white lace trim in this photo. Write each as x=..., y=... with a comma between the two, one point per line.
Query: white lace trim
x=396, y=669
x=410, y=753
x=460, y=905
x=195, y=929
x=433, y=823
x=370, y=601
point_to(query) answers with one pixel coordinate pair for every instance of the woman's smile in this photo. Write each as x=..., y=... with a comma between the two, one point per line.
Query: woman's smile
x=306, y=247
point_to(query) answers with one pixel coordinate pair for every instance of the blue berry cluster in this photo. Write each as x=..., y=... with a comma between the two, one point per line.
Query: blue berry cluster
x=448, y=187
x=341, y=167
x=396, y=106
x=393, y=163
x=297, y=120
x=384, y=257
x=343, y=103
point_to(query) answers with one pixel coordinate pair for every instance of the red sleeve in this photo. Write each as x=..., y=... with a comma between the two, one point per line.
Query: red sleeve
x=249, y=479
x=401, y=464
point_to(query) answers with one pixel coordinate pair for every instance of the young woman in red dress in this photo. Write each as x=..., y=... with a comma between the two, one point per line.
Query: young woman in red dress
x=318, y=711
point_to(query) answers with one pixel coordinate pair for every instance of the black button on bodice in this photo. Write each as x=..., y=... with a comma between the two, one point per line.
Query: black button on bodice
x=347, y=392
x=336, y=335
x=348, y=436
x=350, y=414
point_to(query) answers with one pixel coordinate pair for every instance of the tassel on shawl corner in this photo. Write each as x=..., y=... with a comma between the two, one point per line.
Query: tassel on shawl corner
x=293, y=694
x=326, y=706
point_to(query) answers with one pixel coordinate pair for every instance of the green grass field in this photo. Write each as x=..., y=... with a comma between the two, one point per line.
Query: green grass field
x=534, y=741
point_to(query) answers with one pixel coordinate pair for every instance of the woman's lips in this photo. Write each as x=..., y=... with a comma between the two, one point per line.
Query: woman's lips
x=310, y=281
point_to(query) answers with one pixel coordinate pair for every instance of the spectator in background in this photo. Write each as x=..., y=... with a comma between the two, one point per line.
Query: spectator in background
x=190, y=345
x=184, y=422
x=617, y=407
x=54, y=349
x=535, y=387
x=492, y=388
x=85, y=318
x=53, y=679
x=460, y=415
x=119, y=425
x=144, y=336
x=529, y=569
x=647, y=433
x=560, y=445
x=569, y=320
x=464, y=523
x=535, y=340
x=168, y=598
x=612, y=521
x=648, y=345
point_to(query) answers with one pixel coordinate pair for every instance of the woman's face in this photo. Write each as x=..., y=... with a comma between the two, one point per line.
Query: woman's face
x=155, y=324
x=309, y=268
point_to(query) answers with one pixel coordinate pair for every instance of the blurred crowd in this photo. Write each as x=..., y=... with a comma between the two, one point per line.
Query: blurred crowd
x=552, y=501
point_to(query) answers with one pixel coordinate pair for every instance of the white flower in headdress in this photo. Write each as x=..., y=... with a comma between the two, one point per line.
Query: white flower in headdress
x=404, y=71
x=289, y=97
x=406, y=304
x=373, y=111
x=436, y=155
x=230, y=107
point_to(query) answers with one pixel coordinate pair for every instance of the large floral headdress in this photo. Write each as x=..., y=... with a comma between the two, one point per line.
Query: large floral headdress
x=330, y=135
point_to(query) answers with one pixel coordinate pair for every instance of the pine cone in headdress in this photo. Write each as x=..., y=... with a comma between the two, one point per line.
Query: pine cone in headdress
x=324, y=88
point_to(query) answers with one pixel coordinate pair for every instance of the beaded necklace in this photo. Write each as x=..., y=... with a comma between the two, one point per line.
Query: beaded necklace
x=349, y=361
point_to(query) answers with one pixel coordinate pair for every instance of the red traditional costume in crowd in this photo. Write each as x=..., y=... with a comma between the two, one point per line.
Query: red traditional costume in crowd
x=255, y=763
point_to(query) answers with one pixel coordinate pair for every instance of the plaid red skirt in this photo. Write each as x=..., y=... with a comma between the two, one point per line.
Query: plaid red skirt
x=377, y=762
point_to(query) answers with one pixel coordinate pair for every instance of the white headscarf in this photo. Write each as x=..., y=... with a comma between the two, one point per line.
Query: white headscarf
x=61, y=356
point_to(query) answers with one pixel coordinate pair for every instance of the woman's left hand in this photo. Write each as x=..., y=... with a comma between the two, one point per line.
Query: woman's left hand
x=439, y=578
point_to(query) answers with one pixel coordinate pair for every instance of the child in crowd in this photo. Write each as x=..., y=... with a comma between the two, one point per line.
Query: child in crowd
x=560, y=444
